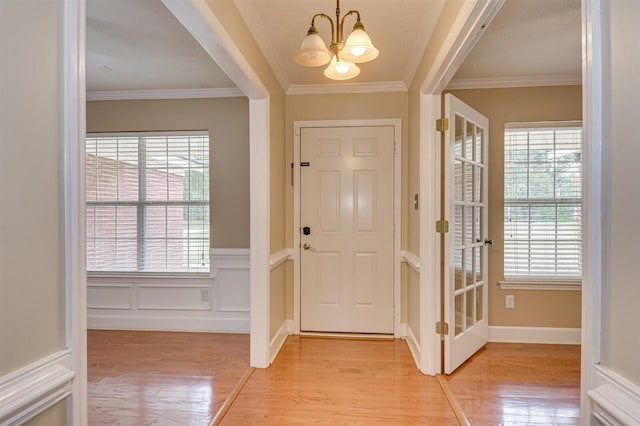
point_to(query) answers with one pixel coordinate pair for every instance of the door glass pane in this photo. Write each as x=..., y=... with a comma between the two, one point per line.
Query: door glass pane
x=458, y=226
x=468, y=225
x=479, y=144
x=468, y=154
x=468, y=181
x=459, y=316
x=479, y=254
x=459, y=122
x=458, y=268
x=469, y=265
x=457, y=166
x=477, y=184
x=479, y=303
x=477, y=231
x=470, y=305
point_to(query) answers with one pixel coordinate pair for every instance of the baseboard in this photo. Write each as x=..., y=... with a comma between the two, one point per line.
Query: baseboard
x=33, y=389
x=217, y=325
x=414, y=345
x=556, y=335
x=278, y=340
x=614, y=399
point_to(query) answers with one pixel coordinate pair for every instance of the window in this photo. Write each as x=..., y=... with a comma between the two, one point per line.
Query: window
x=542, y=201
x=148, y=202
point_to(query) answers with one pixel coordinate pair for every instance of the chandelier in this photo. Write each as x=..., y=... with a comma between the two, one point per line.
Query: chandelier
x=341, y=56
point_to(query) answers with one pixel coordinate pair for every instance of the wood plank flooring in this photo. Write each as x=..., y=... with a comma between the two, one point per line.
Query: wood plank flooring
x=520, y=384
x=161, y=378
x=149, y=378
x=339, y=381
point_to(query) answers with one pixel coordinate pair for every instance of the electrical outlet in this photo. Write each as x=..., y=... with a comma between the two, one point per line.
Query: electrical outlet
x=204, y=295
x=510, y=301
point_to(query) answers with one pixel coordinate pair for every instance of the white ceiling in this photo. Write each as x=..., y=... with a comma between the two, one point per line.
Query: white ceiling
x=146, y=48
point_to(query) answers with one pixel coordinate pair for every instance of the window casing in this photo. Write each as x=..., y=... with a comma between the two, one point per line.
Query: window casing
x=543, y=202
x=148, y=202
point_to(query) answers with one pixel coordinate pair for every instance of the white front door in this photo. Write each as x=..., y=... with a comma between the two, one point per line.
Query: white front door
x=466, y=173
x=347, y=229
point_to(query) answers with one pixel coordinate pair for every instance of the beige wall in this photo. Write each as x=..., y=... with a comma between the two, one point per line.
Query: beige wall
x=533, y=308
x=32, y=282
x=227, y=120
x=621, y=205
x=343, y=107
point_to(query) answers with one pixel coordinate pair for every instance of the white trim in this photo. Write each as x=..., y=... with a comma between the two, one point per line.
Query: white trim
x=118, y=95
x=278, y=258
x=259, y=231
x=467, y=29
x=278, y=340
x=547, y=125
x=31, y=390
x=522, y=81
x=412, y=260
x=615, y=400
x=592, y=131
x=168, y=322
x=430, y=241
x=397, y=206
x=348, y=335
x=332, y=88
x=541, y=285
x=228, y=258
x=414, y=345
x=73, y=133
x=557, y=335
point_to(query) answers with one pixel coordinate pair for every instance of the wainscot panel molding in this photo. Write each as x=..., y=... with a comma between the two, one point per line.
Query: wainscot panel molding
x=614, y=399
x=411, y=259
x=33, y=389
x=214, y=302
x=556, y=335
x=279, y=258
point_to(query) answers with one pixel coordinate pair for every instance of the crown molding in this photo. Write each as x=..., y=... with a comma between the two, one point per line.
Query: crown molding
x=118, y=95
x=523, y=81
x=332, y=88
x=260, y=35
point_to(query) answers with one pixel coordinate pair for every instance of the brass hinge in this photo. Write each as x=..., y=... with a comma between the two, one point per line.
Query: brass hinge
x=442, y=226
x=442, y=124
x=442, y=328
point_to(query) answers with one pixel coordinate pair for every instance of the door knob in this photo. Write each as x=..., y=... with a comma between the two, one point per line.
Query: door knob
x=488, y=242
x=307, y=246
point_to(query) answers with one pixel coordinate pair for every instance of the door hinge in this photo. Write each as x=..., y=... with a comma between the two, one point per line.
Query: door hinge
x=442, y=226
x=442, y=328
x=442, y=124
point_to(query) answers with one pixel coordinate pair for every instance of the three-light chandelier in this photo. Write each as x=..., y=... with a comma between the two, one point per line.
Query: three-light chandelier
x=342, y=56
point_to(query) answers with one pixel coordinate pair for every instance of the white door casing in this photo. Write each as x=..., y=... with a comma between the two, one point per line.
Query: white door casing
x=465, y=195
x=348, y=158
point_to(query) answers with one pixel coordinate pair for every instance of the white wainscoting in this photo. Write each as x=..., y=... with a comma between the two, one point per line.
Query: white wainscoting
x=413, y=343
x=614, y=399
x=31, y=390
x=214, y=302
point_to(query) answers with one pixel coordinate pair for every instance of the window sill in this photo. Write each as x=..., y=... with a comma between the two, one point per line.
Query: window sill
x=550, y=285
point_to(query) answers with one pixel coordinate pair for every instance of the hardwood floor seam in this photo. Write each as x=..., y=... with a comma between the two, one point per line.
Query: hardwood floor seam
x=453, y=402
x=217, y=419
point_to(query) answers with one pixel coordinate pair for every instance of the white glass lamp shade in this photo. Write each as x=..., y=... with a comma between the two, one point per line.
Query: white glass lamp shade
x=341, y=70
x=313, y=52
x=358, y=48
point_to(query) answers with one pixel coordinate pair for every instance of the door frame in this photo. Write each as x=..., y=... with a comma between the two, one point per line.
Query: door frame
x=397, y=216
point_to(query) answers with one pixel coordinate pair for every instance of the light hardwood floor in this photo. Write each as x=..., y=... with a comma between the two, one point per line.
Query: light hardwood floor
x=148, y=378
x=161, y=378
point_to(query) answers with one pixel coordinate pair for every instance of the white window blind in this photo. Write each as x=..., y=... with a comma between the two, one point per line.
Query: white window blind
x=542, y=201
x=148, y=202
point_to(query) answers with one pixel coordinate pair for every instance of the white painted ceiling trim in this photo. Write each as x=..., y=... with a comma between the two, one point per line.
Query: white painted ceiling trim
x=332, y=88
x=524, y=81
x=116, y=95
x=258, y=31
